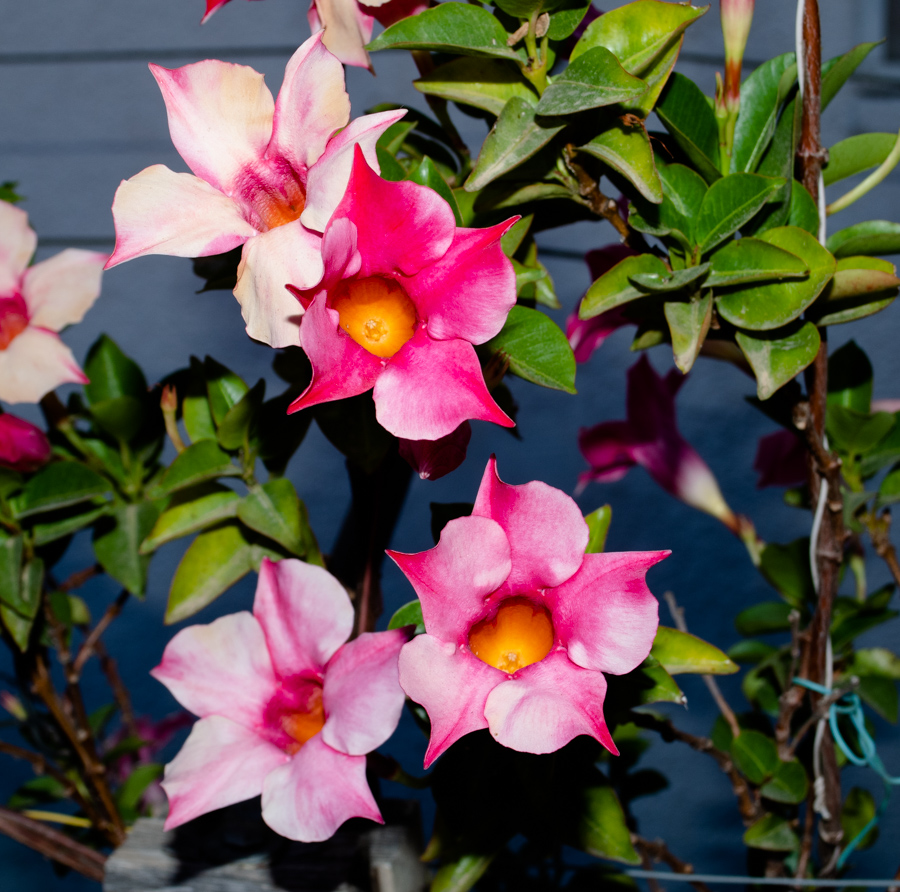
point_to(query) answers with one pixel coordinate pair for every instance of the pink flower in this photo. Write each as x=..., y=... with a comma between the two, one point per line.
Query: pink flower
x=737, y=16
x=433, y=459
x=650, y=438
x=268, y=175
x=521, y=624
x=287, y=709
x=404, y=297
x=35, y=303
x=780, y=460
x=23, y=447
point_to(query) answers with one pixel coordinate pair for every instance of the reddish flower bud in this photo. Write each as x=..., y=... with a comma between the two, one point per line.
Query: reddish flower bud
x=23, y=447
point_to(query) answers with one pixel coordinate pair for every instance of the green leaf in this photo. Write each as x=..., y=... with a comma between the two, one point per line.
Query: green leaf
x=688, y=116
x=657, y=686
x=121, y=416
x=762, y=96
x=11, y=551
x=871, y=237
x=836, y=71
x=410, y=614
x=850, y=378
x=515, y=137
x=626, y=149
x=593, y=80
x=198, y=420
x=117, y=543
x=749, y=260
x=201, y=461
x=274, y=510
x=751, y=652
x=857, y=812
x=236, y=426
x=536, y=348
x=44, y=533
x=680, y=652
x=566, y=19
x=10, y=482
x=462, y=874
x=728, y=204
x=789, y=784
x=223, y=387
x=614, y=287
x=768, y=616
x=876, y=661
x=456, y=28
x=426, y=174
x=786, y=567
x=189, y=512
x=857, y=154
x=689, y=323
x=881, y=695
x=112, y=374
x=602, y=830
x=676, y=280
x=18, y=617
x=755, y=755
x=128, y=796
x=683, y=192
x=778, y=357
x=855, y=433
x=24, y=597
x=59, y=485
x=772, y=833
x=861, y=286
x=804, y=213
x=598, y=527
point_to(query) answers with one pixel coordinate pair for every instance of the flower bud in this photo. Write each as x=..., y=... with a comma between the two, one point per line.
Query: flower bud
x=736, y=18
x=23, y=447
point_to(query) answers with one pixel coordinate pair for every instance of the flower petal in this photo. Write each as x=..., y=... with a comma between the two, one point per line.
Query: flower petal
x=220, y=763
x=220, y=669
x=605, y=615
x=286, y=255
x=546, y=705
x=347, y=29
x=362, y=694
x=319, y=789
x=36, y=362
x=305, y=613
x=451, y=684
x=220, y=118
x=610, y=450
x=17, y=244
x=452, y=580
x=311, y=105
x=60, y=290
x=433, y=459
x=547, y=534
x=328, y=177
x=159, y=211
x=469, y=292
x=431, y=387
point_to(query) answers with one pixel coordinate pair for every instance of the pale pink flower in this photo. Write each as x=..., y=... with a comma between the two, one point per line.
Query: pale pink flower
x=737, y=16
x=433, y=459
x=650, y=438
x=267, y=174
x=521, y=624
x=780, y=460
x=35, y=303
x=287, y=709
x=23, y=446
x=404, y=297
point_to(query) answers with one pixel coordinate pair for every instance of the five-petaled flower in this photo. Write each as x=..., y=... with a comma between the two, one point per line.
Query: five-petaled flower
x=287, y=709
x=405, y=296
x=267, y=174
x=35, y=303
x=23, y=446
x=521, y=624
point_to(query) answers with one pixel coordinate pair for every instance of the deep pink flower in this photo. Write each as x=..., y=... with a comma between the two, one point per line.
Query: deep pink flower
x=780, y=460
x=433, y=459
x=35, y=303
x=23, y=447
x=404, y=297
x=287, y=709
x=650, y=438
x=521, y=624
x=268, y=175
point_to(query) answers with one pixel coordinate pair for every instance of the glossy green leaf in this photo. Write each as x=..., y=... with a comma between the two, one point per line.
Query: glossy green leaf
x=223, y=387
x=872, y=237
x=274, y=510
x=198, y=420
x=789, y=784
x=728, y=204
x=749, y=260
x=861, y=287
x=836, y=71
x=760, y=619
x=857, y=432
x=803, y=213
x=112, y=374
x=117, y=543
x=676, y=280
x=410, y=614
x=390, y=168
x=515, y=235
x=858, y=810
x=889, y=490
x=236, y=425
x=689, y=323
x=776, y=358
x=121, y=416
x=516, y=135
x=598, y=527
x=593, y=80
x=680, y=652
x=565, y=20
x=456, y=28
x=602, y=830
x=59, y=485
x=683, y=192
x=427, y=174
x=462, y=874
x=688, y=115
x=881, y=695
x=614, y=287
x=201, y=461
x=762, y=96
x=189, y=513
x=857, y=154
x=850, y=378
x=11, y=550
x=786, y=567
x=537, y=349
x=657, y=686
x=626, y=149
x=773, y=834
x=755, y=755
x=18, y=618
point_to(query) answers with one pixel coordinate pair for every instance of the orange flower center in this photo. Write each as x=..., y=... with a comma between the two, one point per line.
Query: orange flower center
x=304, y=725
x=518, y=634
x=276, y=207
x=13, y=320
x=377, y=313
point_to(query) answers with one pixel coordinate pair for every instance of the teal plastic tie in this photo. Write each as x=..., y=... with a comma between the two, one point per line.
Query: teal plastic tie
x=851, y=706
